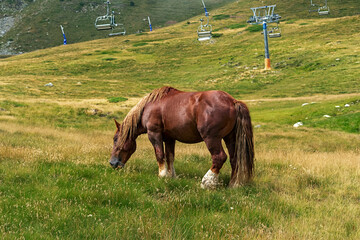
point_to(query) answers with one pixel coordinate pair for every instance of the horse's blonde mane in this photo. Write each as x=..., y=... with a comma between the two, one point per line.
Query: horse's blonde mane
x=129, y=125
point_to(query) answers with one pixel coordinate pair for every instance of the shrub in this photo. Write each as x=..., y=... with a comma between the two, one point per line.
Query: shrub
x=216, y=35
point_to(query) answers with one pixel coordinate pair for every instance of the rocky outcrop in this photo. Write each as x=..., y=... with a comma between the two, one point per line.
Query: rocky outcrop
x=6, y=24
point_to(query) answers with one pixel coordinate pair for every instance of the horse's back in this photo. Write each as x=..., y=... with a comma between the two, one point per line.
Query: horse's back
x=192, y=116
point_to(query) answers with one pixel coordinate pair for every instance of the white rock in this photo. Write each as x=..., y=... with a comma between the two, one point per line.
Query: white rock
x=49, y=85
x=337, y=106
x=298, y=124
x=347, y=105
x=327, y=116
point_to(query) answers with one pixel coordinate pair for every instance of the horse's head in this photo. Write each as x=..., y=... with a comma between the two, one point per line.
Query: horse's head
x=121, y=152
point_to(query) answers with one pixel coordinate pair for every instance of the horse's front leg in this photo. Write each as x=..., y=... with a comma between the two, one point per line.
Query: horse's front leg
x=157, y=142
x=170, y=154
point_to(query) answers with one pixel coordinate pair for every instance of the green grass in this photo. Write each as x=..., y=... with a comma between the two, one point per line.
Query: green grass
x=221, y=17
x=237, y=25
x=255, y=28
x=140, y=44
x=57, y=194
x=117, y=99
x=312, y=114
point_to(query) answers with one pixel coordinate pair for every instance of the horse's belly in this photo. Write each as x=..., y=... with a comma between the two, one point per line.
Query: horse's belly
x=185, y=133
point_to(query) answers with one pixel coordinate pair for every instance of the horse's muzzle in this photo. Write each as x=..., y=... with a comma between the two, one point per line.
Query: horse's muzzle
x=116, y=163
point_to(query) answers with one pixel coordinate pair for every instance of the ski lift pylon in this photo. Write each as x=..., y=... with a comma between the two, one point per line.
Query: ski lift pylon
x=148, y=20
x=63, y=33
x=264, y=15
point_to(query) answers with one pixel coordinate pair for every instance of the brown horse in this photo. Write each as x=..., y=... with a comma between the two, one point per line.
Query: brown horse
x=167, y=115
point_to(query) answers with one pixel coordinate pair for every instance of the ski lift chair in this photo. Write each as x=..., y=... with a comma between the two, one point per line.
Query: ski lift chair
x=117, y=29
x=107, y=22
x=274, y=32
x=313, y=7
x=104, y=22
x=204, y=31
x=324, y=10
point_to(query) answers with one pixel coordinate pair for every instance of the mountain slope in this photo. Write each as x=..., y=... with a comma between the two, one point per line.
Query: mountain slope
x=37, y=24
x=314, y=56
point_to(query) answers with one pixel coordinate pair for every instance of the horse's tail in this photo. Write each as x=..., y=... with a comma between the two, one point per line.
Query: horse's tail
x=244, y=147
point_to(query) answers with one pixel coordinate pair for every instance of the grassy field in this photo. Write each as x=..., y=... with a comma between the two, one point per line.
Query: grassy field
x=55, y=142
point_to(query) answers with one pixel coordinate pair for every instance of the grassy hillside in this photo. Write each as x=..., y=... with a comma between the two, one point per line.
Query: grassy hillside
x=38, y=25
x=300, y=9
x=55, y=180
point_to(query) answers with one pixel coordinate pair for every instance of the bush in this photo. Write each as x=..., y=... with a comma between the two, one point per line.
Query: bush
x=109, y=59
x=216, y=35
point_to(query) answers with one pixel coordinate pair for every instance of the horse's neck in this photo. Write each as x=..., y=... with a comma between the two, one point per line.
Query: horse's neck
x=139, y=130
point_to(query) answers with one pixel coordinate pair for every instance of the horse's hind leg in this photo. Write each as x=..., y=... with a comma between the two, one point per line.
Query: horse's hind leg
x=170, y=154
x=230, y=145
x=218, y=156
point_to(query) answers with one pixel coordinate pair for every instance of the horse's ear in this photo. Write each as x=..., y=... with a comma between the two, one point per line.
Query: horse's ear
x=117, y=124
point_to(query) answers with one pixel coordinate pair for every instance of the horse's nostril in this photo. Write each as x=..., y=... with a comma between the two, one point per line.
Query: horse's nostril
x=114, y=164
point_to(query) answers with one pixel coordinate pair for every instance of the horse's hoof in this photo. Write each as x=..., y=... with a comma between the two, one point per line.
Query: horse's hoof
x=210, y=180
x=171, y=173
x=163, y=172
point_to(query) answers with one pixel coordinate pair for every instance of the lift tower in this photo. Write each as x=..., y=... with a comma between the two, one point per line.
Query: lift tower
x=264, y=15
